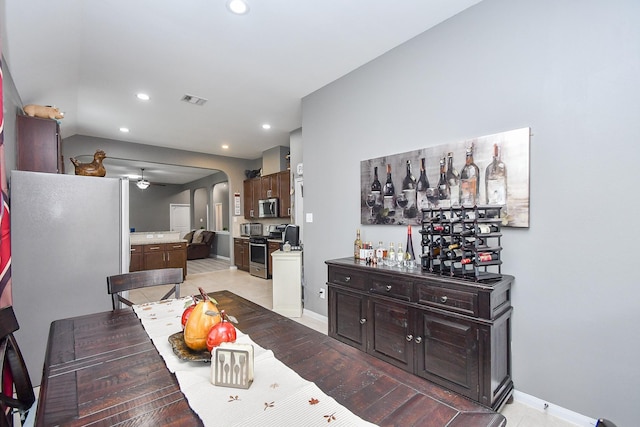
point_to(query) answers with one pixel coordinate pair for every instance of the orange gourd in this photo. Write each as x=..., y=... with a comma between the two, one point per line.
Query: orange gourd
x=199, y=323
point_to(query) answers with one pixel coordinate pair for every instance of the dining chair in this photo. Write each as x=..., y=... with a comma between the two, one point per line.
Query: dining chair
x=143, y=279
x=13, y=372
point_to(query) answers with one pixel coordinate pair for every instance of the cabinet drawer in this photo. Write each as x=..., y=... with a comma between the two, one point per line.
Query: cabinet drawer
x=392, y=288
x=347, y=278
x=448, y=299
x=154, y=248
x=136, y=249
x=174, y=246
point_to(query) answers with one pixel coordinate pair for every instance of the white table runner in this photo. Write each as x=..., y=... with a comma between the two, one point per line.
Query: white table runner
x=278, y=396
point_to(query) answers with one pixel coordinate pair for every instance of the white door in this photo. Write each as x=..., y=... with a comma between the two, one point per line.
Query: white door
x=179, y=218
x=298, y=209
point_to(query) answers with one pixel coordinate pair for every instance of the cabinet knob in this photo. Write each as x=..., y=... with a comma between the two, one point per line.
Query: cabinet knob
x=347, y=279
x=388, y=288
x=418, y=340
x=409, y=338
x=443, y=299
x=363, y=321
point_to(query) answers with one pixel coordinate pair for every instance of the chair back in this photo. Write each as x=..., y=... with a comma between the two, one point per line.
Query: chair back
x=13, y=372
x=143, y=279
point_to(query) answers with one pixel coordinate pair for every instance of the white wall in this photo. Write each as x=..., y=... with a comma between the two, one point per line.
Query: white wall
x=571, y=71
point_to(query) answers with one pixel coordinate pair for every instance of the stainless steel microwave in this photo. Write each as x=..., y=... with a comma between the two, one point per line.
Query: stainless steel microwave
x=268, y=208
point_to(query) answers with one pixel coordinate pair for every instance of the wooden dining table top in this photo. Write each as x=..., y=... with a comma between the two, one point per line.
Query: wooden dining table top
x=103, y=370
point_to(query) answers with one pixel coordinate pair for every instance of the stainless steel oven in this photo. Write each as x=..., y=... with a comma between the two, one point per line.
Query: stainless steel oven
x=258, y=257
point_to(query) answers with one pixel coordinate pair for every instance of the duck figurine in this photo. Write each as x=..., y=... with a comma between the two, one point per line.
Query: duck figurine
x=95, y=168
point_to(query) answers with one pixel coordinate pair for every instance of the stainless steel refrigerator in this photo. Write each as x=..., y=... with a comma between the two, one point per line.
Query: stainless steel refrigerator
x=68, y=233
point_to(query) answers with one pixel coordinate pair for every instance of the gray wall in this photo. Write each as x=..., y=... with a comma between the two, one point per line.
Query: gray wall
x=149, y=209
x=571, y=71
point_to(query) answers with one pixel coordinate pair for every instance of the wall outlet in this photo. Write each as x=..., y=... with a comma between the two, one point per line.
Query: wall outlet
x=321, y=293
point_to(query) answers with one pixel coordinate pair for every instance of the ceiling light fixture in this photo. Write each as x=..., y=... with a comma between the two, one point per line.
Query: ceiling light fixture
x=142, y=96
x=239, y=7
x=142, y=183
x=225, y=147
x=266, y=126
x=125, y=130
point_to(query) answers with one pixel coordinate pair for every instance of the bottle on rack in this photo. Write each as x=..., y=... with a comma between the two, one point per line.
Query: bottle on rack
x=469, y=178
x=381, y=253
x=376, y=189
x=400, y=256
x=422, y=186
x=357, y=245
x=410, y=257
x=495, y=181
x=488, y=228
x=444, y=194
x=409, y=190
x=391, y=256
x=457, y=254
x=453, y=178
x=389, y=194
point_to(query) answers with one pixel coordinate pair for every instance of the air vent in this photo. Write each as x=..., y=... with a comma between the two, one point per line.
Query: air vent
x=193, y=100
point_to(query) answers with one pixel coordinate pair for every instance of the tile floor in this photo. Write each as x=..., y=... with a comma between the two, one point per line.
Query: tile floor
x=260, y=291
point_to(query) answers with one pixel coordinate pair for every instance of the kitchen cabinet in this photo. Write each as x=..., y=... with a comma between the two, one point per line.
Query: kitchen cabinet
x=241, y=253
x=164, y=255
x=271, y=248
x=137, y=260
x=451, y=332
x=265, y=187
x=39, y=145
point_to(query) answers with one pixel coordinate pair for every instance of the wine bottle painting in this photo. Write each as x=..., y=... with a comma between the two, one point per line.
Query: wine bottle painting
x=489, y=170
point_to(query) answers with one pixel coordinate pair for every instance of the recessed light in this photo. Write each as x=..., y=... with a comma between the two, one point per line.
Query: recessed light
x=142, y=96
x=225, y=147
x=266, y=126
x=239, y=7
x=125, y=130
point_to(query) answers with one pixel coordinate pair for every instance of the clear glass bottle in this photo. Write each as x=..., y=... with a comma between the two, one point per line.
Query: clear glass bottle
x=389, y=193
x=380, y=253
x=421, y=187
x=453, y=177
x=400, y=256
x=409, y=190
x=469, y=178
x=444, y=194
x=357, y=245
x=495, y=179
x=391, y=256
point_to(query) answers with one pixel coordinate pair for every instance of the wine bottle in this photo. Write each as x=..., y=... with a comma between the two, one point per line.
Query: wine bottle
x=409, y=190
x=488, y=228
x=495, y=180
x=380, y=253
x=400, y=256
x=469, y=178
x=444, y=194
x=422, y=186
x=410, y=257
x=453, y=178
x=391, y=256
x=457, y=254
x=389, y=193
x=487, y=256
x=357, y=245
x=376, y=189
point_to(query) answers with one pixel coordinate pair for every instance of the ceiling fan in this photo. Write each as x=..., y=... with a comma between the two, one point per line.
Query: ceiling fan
x=142, y=183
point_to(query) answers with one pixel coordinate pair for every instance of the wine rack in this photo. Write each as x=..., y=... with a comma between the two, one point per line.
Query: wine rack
x=463, y=242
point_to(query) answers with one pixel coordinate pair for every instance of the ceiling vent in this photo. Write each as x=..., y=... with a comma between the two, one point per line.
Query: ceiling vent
x=193, y=100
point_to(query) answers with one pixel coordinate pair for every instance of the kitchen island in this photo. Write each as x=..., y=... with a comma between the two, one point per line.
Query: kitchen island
x=158, y=249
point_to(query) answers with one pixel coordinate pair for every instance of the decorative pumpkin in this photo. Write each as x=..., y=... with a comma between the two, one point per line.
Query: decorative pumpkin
x=224, y=331
x=199, y=323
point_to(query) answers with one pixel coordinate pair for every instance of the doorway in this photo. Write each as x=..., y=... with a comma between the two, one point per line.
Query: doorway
x=179, y=218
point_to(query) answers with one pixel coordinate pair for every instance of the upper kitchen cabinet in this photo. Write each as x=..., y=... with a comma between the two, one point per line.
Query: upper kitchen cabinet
x=39, y=145
x=267, y=187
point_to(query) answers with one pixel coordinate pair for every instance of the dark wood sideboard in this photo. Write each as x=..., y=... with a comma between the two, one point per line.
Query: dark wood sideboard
x=452, y=332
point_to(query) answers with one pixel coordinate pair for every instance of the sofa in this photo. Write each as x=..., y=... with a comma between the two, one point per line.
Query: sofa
x=199, y=243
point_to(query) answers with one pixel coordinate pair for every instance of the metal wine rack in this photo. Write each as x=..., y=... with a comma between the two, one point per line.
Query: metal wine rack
x=462, y=242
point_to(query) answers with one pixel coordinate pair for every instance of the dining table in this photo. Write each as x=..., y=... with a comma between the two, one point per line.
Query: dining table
x=103, y=369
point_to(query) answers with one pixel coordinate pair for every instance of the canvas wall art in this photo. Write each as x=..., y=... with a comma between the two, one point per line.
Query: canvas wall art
x=488, y=170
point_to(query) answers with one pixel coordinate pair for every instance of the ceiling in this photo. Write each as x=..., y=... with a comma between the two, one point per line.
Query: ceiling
x=91, y=58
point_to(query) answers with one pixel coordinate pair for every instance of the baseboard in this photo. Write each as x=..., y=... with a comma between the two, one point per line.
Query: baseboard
x=552, y=409
x=315, y=316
